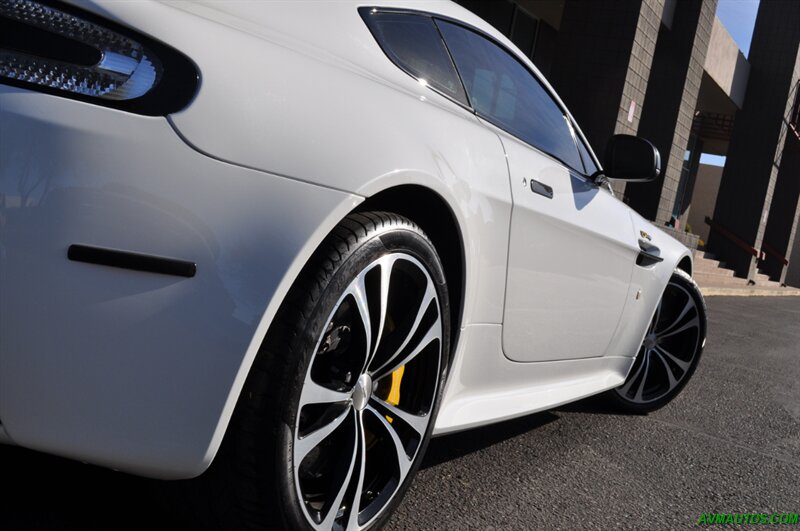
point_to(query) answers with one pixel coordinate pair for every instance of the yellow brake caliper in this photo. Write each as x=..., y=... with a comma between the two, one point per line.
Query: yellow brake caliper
x=392, y=398
x=394, y=391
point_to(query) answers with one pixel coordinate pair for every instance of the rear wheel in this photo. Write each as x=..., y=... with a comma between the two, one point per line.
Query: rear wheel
x=337, y=413
x=670, y=351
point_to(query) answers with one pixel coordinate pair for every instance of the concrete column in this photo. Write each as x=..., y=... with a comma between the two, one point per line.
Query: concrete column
x=783, y=213
x=670, y=102
x=759, y=135
x=793, y=270
x=602, y=64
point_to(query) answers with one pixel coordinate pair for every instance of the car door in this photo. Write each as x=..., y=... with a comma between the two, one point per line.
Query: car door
x=572, y=247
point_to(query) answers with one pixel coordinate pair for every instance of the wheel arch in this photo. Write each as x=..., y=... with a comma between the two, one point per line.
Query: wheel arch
x=436, y=218
x=685, y=265
x=420, y=204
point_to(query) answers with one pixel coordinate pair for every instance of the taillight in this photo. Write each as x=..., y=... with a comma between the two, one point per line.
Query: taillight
x=55, y=48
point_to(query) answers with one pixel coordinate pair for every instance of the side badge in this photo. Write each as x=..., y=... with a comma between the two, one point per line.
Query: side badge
x=646, y=236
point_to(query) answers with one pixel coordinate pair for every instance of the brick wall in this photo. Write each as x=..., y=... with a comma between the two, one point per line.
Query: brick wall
x=670, y=102
x=602, y=63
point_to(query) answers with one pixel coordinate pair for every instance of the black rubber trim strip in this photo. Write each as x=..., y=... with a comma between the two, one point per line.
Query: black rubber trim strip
x=129, y=260
x=647, y=259
x=541, y=189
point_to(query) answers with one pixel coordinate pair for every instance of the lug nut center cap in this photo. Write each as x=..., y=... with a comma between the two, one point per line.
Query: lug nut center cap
x=362, y=391
x=650, y=341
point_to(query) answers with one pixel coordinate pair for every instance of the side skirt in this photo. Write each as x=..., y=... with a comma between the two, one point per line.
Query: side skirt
x=486, y=387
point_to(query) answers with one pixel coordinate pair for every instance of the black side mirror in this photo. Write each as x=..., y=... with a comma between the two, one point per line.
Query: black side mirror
x=631, y=158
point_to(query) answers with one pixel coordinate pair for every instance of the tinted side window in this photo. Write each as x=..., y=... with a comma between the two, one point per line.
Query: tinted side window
x=503, y=91
x=413, y=43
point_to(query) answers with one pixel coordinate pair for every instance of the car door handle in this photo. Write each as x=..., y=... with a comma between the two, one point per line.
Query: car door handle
x=649, y=254
x=541, y=189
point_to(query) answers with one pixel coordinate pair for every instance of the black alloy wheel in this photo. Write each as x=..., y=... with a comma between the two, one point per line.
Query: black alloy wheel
x=670, y=351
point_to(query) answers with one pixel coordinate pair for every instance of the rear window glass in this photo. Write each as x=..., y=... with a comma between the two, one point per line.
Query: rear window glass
x=413, y=43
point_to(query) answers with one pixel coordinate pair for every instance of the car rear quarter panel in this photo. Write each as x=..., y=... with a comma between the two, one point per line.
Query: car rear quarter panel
x=135, y=371
x=141, y=372
x=314, y=98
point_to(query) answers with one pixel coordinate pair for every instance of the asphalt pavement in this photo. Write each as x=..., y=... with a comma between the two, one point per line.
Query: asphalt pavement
x=730, y=443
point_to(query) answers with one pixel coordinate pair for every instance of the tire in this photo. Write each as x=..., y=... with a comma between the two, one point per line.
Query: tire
x=670, y=351
x=290, y=466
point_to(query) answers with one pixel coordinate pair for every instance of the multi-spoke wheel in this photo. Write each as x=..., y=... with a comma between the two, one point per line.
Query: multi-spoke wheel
x=368, y=394
x=671, y=348
x=336, y=416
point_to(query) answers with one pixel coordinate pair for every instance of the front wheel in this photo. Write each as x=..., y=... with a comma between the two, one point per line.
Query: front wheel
x=336, y=415
x=670, y=351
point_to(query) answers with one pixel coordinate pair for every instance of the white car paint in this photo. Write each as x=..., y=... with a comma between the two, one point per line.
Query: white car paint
x=299, y=117
x=117, y=367
x=578, y=245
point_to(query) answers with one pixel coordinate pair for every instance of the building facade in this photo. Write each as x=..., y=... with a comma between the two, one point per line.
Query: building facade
x=669, y=71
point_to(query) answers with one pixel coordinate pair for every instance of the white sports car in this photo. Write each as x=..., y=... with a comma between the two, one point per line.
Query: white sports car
x=298, y=239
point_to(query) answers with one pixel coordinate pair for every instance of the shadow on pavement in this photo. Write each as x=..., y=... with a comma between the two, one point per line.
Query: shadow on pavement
x=594, y=405
x=54, y=494
x=449, y=447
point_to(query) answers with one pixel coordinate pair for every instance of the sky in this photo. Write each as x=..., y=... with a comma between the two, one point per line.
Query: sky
x=739, y=18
